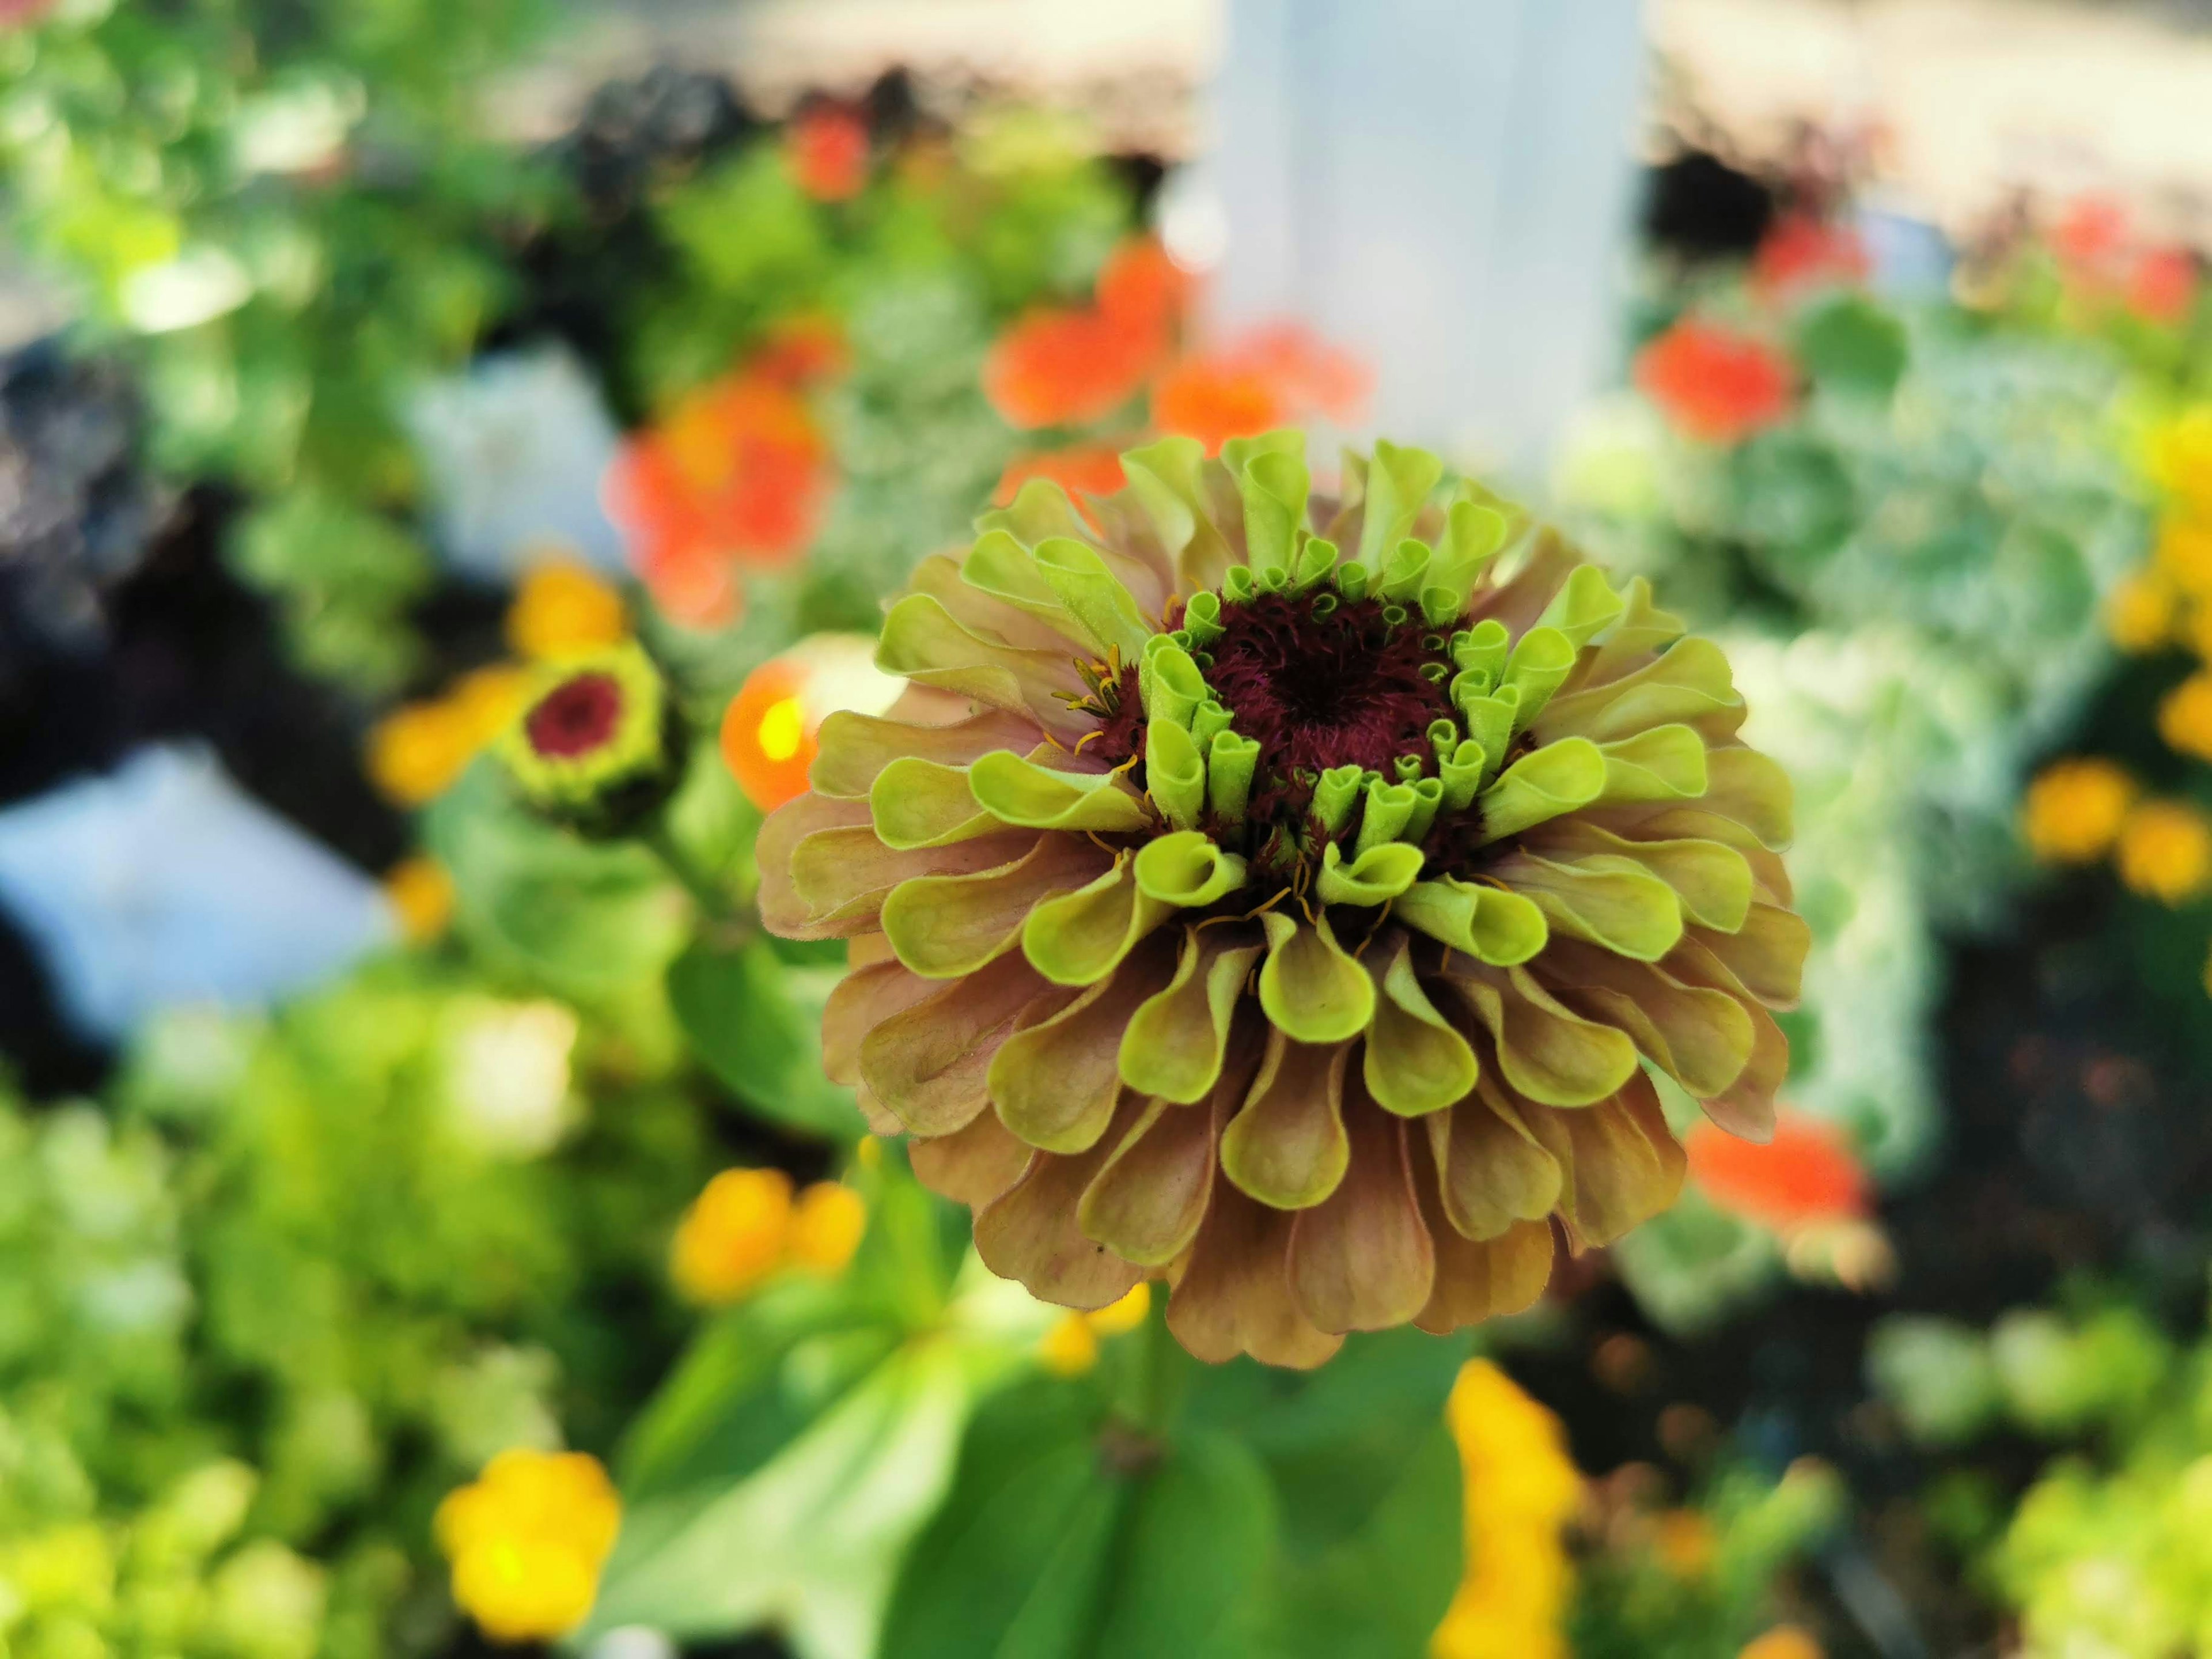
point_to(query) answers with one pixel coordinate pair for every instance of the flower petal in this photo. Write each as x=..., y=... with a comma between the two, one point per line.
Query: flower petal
x=923, y=640
x=1491, y=1172
x=1234, y=1296
x=1079, y=938
x=1767, y=953
x=1699, y=1037
x=1177, y=1041
x=1312, y=991
x=1029, y=1232
x=970, y=1166
x=1712, y=880
x=1623, y=1163
x=1147, y=1203
x=1612, y=901
x=783, y=912
x=844, y=877
x=1415, y=1060
x=928, y=1064
x=852, y=750
x=1020, y=792
x=1746, y=1108
x=1745, y=784
x=1486, y=1280
x=1665, y=764
x=1690, y=683
x=946, y=926
x=1287, y=1146
x=1546, y=1051
x=1362, y=1261
x=1055, y=1083
x=925, y=803
x=1489, y=924
x=859, y=1002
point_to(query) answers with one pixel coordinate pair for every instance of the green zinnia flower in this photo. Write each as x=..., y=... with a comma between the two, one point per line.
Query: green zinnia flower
x=1283, y=896
x=591, y=747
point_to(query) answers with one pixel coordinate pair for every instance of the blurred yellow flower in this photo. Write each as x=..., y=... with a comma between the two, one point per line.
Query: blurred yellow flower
x=2166, y=852
x=416, y=752
x=488, y=699
x=2181, y=458
x=2140, y=614
x=826, y=1225
x=1071, y=1346
x=2073, y=810
x=421, y=895
x=2183, y=556
x=1782, y=1642
x=2184, y=716
x=1521, y=1490
x=527, y=1538
x=1684, y=1542
x=562, y=609
x=732, y=1237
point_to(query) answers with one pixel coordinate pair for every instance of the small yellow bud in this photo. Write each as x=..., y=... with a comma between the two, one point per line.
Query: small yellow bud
x=561, y=609
x=417, y=750
x=1782, y=1642
x=2184, y=716
x=421, y=895
x=1125, y=1314
x=2073, y=810
x=2166, y=852
x=2140, y=614
x=1070, y=1348
x=732, y=1237
x=826, y=1227
x=527, y=1538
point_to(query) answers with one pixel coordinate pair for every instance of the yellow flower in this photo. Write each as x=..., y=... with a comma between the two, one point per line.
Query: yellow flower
x=2181, y=457
x=2184, y=558
x=561, y=609
x=2073, y=810
x=2140, y=614
x=527, y=1538
x=416, y=752
x=826, y=1225
x=2184, y=716
x=2166, y=852
x=1071, y=1346
x=489, y=699
x=1782, y=1642
x=421, y=895
x=732, y=1237
x=1521, y=1490
x=1684, y=1542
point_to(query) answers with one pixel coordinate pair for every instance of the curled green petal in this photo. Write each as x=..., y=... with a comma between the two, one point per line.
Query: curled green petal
x=1020, y=792
x=1187, y=869
x=1614, y=902
x=1208, y=722
x=1428, y=797
x=1440, y=606
x=1492, y=722
x=923, y=803
x=943, y=927
x=1231, y=764
x=1351, y=578
x=1483, y=649
x=1175, y=776
x=1560, y=777
x=1334, y=794
x=1389, y=807
x=1040, y=508
x=1376, y=877
x=1002, y=566
x=1079, y=938
x=1541, y=660
x=1286, y=1146
x=1055, y=1082
x=1461, y=775
x=1668, y=763
x=1174, y=689
x=1274, y=485
x=1398, y=481
x=1488, y=923
x=1416, y=1062
x=1584, y=608
x=1405, y=572
x=1690, y=683
x=1094, y=596
x=1317, y=563
x=1201, y=617
x=1309, y=989
x=1176, y=1040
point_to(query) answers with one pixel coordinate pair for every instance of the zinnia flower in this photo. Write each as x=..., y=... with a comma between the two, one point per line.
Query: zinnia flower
x=769, y=731
x=527, y=1540
x=591, y=746
x=1278, y=894
x=736, y=478
x=1714, y=383
x=1271, y=377
x=2073, y=810
x=2165, y=852
x=1064, y=365
x=1522, y=1489
x=827, y=146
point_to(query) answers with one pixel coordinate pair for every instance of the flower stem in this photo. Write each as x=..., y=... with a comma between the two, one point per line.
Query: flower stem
x=1164, y=1375
x=716, y=908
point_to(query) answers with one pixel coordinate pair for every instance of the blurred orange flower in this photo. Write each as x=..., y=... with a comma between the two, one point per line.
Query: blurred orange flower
x=2163, y=287
x=1277, y=374
x=2104, y=261
x=736, y=477
x=1800, y=251
x=1714, y=382
x=1063, y=365
x=1808, y=1175
x=769, y=731
x=1079, y=469
x=827, y=146
x=799, y=350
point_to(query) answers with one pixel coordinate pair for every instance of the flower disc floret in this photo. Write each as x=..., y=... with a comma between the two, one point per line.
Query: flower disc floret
x=1293, y=897
x=590, y=745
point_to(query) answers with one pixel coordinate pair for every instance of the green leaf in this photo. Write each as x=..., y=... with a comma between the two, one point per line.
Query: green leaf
x=1197, y=1544
x=1854, y=345
x=755, y=1021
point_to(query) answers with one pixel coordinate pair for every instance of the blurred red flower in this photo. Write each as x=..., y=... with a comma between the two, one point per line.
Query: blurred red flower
x=1714, y=382
x=735, y=478
x=1801, y=251
x=2163, y=287
x=1277, y=374
x=1064, y=365
x=1079, y=469
x=827, y=146
x=2104, y=262
x=1808, y=1175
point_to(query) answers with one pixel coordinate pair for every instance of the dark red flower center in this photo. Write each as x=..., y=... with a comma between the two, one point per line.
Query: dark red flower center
x=1349, y=687
x=576, y=717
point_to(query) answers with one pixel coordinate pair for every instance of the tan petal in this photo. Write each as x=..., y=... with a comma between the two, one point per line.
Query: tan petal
x=924, y=641
x=1054, y=1084
x=844, y=876
x=1177, y=1043
x=866, y=949
x=1546, y=1051
x=970, y=1166
x=1234, y=1296
x=928, y=1064
x=1029, y=1234
x=945, y=926
x=1699, y=1037
x=1493, y=1173
x=1767, y=953
x=1149, y=1201
x=1484, y=1280
x=1657, y=821
x=987, y=615
x=1362, y=1260
x=859, y=1002
x=853, y=749
x=1713, y=880
x=1746, y=1106
x=1519, y=601
x=1286, y=1146
x=1414, y=1060
x=783, y=912
x=1750, y=787
x=1690, y=683
x=1623, y=1163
